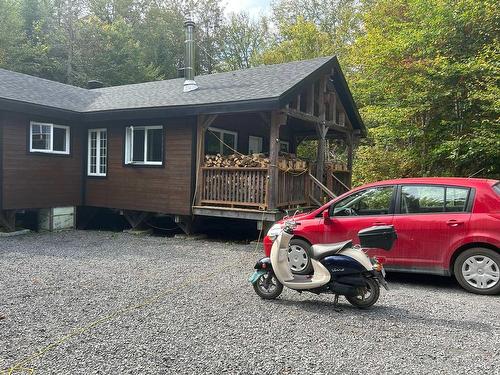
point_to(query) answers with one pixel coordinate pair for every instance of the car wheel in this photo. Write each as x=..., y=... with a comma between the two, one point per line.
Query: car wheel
x=478, y=270
x=299, y=257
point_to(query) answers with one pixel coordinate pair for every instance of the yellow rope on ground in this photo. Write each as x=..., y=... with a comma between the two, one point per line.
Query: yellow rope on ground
x=21, y=366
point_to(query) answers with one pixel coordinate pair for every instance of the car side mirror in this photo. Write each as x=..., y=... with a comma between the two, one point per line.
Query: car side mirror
x=326, y=215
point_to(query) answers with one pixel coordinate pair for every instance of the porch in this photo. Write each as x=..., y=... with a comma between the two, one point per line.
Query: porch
x=278, y=180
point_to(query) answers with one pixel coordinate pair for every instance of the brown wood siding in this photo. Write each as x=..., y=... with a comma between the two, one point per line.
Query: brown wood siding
x=165, y=189
x=34, y=180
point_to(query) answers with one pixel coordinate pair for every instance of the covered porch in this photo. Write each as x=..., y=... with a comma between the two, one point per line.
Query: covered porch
x=247, y=163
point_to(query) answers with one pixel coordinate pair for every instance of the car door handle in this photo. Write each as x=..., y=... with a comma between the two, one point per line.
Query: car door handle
x=379, y=223
x=454, y=223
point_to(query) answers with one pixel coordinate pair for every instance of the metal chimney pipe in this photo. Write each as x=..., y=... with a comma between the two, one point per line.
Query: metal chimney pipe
x=189, y=83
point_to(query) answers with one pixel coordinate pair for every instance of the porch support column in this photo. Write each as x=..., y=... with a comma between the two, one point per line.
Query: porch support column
x=277, y=119
x=350, y=154
x=321, y=130
x=204, y=121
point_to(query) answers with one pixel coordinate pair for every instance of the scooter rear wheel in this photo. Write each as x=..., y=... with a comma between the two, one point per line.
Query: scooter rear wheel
x=267, y=286
x=367, y=296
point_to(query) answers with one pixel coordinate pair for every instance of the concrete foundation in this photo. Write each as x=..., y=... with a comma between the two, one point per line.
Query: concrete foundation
x=57, y=218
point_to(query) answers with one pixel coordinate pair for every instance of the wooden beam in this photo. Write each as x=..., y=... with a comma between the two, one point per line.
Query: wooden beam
x=314, y=119
x=334, y=108
x=310, y=100
x=321, y=99
x=298, y=103
x=278, y=118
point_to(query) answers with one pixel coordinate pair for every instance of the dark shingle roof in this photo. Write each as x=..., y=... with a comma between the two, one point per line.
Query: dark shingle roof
x=28, y=89
x=267, y=83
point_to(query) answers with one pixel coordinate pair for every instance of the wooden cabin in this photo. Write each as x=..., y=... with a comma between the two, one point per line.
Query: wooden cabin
x=142, y=149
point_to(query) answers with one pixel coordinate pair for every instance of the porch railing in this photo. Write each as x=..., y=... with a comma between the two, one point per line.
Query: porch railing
x=292, y=189
x=234, y=187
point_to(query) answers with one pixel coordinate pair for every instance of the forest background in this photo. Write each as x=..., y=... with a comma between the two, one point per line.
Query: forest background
x=425, y=74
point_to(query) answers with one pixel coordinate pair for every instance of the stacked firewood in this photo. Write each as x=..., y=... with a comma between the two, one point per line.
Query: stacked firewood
x=237, y=160
x=286, y=162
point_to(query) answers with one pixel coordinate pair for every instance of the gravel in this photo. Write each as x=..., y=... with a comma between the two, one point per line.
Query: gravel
x=156, y=305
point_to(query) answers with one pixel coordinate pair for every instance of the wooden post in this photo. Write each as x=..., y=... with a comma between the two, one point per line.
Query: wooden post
x=277, y=119
x=321, y=99
x=298, y=103
x=350, y=152
x=202, y=124
x=310, y=100
x=8, y=220
x=334, y=108
x=321, y=131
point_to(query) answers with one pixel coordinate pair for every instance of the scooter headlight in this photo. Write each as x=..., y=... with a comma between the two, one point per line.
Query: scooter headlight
x=274, y=231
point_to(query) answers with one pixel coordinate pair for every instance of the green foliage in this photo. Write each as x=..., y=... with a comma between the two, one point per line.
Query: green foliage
x=426, y=76
x=299, y=41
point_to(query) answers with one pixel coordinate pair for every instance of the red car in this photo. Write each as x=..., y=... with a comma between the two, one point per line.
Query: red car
x=445, y=226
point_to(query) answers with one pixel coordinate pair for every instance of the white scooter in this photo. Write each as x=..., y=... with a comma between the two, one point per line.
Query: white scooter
x=339, y=269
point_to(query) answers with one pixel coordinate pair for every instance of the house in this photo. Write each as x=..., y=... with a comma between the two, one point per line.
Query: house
x=140, y=148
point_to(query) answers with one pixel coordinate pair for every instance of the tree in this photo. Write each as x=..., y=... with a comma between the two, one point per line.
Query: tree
x=426, y=80
x=340, y=19
x=298, y=41
x=243, y=40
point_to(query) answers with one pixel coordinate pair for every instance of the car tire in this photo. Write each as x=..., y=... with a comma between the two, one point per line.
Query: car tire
x=478, y=270
x=299, y=257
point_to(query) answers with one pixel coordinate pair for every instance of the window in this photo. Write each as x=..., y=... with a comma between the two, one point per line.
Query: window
x=432, y=199
x=97, y=152
x=284, y=146
x=496, y=188
x=219, y=141
x=254, y=145
x=456, y=199
x=422, y=199
x=49, y=138
x=373, y=201
x=144, y=145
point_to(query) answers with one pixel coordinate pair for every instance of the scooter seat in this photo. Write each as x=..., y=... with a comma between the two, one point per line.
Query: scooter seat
x=321, y=251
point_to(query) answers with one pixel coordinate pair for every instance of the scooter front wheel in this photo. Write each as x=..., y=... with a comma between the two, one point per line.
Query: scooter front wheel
x=268, y=286
x=367, y=296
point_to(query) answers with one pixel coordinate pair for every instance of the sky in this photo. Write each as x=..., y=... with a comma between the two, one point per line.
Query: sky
x=253, y=7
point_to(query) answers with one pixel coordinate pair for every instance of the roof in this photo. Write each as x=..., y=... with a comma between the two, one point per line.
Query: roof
x=262, y=87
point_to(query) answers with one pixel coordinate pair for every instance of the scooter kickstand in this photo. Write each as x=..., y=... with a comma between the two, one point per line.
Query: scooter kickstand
x=336, y=304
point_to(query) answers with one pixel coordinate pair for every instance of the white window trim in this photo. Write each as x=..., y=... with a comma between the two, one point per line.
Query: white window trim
x=287, y=145
x=261, y=142
x=50, y=150
x=222, y=131
x=98, y=152
x=129, y=140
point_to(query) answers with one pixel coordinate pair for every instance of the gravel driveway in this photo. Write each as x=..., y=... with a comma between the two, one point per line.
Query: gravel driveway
x=154, y=305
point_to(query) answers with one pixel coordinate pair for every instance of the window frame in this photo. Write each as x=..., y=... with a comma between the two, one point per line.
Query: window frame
x=223, y=131
x=98, y=152
x=287, y=143
x=51, y=139
x=261, y=143
x=392, y=205
x=128, y=147
x=468, y=202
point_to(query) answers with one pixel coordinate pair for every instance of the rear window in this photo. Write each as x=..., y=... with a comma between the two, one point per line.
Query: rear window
x=422, y=199
x=496, y=187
